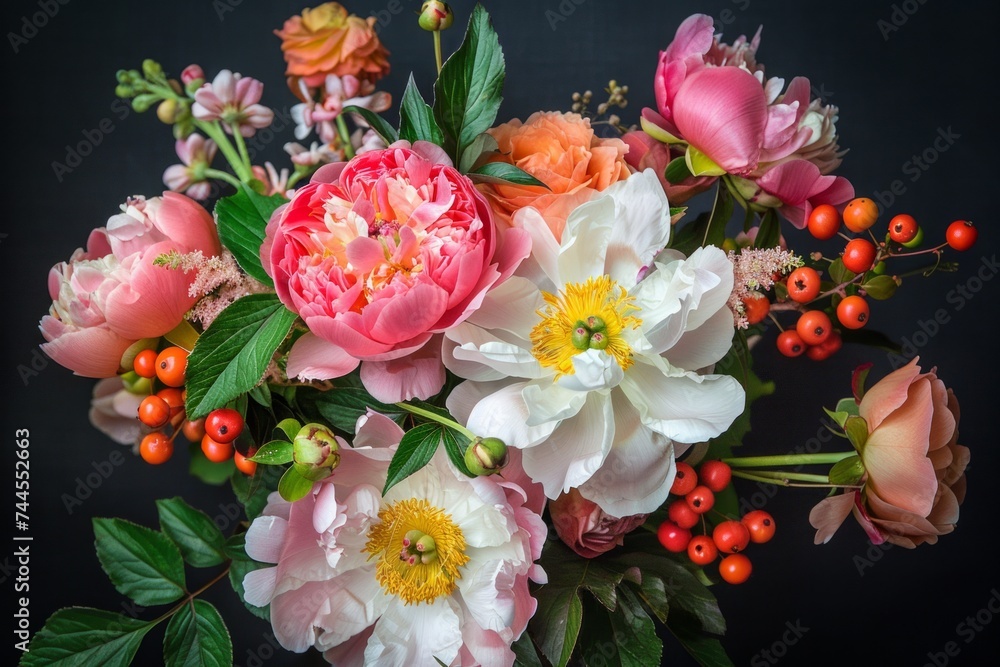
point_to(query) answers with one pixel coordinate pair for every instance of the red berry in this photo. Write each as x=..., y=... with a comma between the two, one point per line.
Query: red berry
x=813, y=327
x=716, y=475
x=679, y=512
x=852, y=312
x=171, y=366
x=144, y=364
x=685, y=480
x=702, y=550
x=731, y=537
x=154, y=412
x=194, y=431
x=224, y=424
x=756, y=307
x=827, y=348
x=156, y=448
x=859, y=255
x=803, y=284
x=735, y=568
x=961, y=235
x=824, y=222
x=673, y=538
x=700, y=499
x=790, y=343
x=760, y=524
x=244, y=465
x=215, y=451
x=903, y=228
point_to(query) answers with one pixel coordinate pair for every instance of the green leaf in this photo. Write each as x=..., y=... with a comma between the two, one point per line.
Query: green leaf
x=525, y=653
x=848, y=405
x=252, y=490
x=261, y=394
x=414, y=452
x=197, y=637
x=857, y=431
x=274, y=453
x=376, y=122
x=634, y=632
x=839, y=273
x=467, y=93
x=706, y=650
x=416, y=118
x=85, y=636
x=880, y=287
x=848, y=472
x=484, y=143
x=141, y=562
x=200, y=541
x=677, y=171
x=241, y=565
x=341, y=407
x=292, y=486
x=455, y=444
x=289, y=427
x=208, y=471
x=839, y=416
x=502, y=172
x=231, y=356
x=710, y=230
x=769, y=233
x=242, y=218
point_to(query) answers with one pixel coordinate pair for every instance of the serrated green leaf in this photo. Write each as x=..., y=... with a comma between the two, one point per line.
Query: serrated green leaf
x=857, y=431
x=847, y=472
x=292, y=486
x=677, y=171
x=467, y=94
x=208, y=471
x=200, y=541
x=231, y=356
x=880, y=287
x=142, y=563
x=525, y=653
x=240, y=565
x=484, y=143
x=274, y=453
x=455, y=444
x=634, y=633
x=416, y=118
x=376, y=122
x=559, y=616
x=84, y=636
x=252, y=490
x=197, y=637
x=503, y=172
x=769, y=233
x=839, y=273
x=342, y=406
x=242, y=218
x=414, y=452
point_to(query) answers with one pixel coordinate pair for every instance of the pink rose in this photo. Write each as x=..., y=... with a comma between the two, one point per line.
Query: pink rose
x=586, y=528
x=111, y=295
x=378, y=255
x=915, y=470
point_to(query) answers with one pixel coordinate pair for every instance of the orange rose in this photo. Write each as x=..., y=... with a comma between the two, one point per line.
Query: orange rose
x=562, y=151
x=328, y=40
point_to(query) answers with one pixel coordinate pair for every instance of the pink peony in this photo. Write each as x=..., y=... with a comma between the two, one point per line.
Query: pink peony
x=586, y=528
x=378, y=255
x=350, y=579
x=111, y=295
x=915, y=469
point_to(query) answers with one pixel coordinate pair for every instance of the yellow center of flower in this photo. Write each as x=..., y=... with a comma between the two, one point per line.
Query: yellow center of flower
x=584, y=316
x=419, y=550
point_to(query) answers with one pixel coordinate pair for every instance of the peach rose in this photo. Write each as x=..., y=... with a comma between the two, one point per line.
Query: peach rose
x=562, y=151
x=586, y=528
x=915, y=470
x=327, y=40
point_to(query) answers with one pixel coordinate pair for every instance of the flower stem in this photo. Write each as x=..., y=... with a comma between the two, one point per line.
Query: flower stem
x=215, y=133
x=790, y=476
x=786, y=459
x=785, y=481
x=241, y=144
x=191, y=596
x=345, y=137
x=223, y=176
x=437, y=50
x=433, y=416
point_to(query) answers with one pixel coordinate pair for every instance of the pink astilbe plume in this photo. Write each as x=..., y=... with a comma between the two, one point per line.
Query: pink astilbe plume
x=754, y=269
x=218, y=282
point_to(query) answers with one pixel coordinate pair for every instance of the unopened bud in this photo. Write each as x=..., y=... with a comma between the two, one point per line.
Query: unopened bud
x=167, y=111
x=486, y=456
x=142, y=102
x=435, y=15
x=315, y=452
x=151, y=69
x=192, y=73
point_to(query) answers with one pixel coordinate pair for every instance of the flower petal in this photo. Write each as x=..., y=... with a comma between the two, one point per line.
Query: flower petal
x=829, y=514
x=313, y=358
x=417, y=636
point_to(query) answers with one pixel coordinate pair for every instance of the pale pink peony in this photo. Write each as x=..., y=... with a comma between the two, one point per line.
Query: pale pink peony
x=378, y=255
x=111, y=295
x=234, y=100
x=349, y=580
x=587, y=529
x=915, y=469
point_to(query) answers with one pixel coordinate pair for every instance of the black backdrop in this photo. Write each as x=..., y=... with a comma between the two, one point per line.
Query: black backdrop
x=902, y=74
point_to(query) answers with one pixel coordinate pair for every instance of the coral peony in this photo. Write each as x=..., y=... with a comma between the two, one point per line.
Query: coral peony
x=915, y=470
x=327, y=40
x=111, y=295
x=379, y=254
x=562, y=151
x=586, y=528
x=434, y=572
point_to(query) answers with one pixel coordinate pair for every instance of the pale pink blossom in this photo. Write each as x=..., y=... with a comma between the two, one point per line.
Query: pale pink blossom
x=232, y=99
x=349, y=581
x=337, y=93
x=113, y=410
x=317, y=154
x=113, y=294
x=275, y=182
x=196, y=152
x=218, y=282
x=753, y=271
x=379, y=255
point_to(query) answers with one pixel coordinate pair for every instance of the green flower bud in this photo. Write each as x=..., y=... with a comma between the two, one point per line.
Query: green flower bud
x=435, y=15
x=123, y=90
x=142, y=102
x=315, y=452
x=486, y=456
x=151, y=69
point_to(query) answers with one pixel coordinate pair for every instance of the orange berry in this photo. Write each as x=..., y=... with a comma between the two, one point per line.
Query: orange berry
x=156, y=448
x=860, y=214
x=171, y=366
x=215, y=451
x=244, y=465
x=144, y=364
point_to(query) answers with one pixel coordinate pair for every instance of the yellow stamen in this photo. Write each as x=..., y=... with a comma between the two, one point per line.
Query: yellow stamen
x=420, y=551
x=591, y=315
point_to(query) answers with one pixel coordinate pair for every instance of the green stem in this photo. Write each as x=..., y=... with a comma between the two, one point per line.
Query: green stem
x=437, y=50
x=223, y=176
x=433, y=416
x=241, y=144
x=345, y=137
x=792, y=476
x=787, y=459
x=786, y=482
x=216, y=134
x=191, y=596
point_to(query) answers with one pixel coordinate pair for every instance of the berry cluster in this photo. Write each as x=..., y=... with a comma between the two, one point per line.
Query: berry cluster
x=164, y=411
x=695, y=497
x=826, y=307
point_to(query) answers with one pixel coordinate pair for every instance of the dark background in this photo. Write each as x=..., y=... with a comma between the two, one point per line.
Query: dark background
x=897, y=86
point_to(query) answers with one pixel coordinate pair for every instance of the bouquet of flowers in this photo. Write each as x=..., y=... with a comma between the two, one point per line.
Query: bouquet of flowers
x=479, y=386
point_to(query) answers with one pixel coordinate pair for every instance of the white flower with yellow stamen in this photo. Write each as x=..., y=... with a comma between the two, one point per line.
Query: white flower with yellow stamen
x=437, y=569
x=587, y=359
